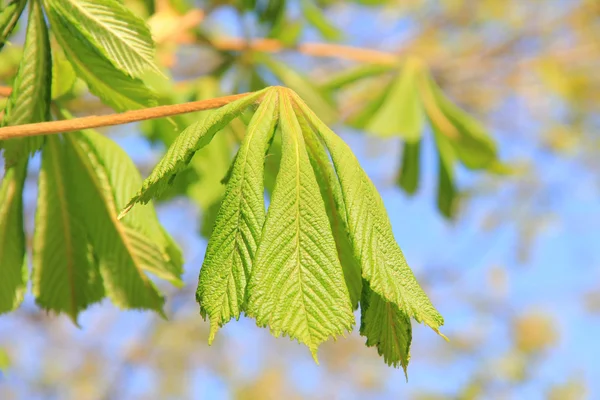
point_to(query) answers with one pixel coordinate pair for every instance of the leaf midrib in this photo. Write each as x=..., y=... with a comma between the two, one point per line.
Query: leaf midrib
x=239, y=208
x=294, y=136
x=109, y=203
x=60, y=190
x=99, y=22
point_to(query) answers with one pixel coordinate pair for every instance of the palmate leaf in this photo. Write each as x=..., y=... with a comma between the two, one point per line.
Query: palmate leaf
x=125, y=249
x=13, y=269
x=9, y=17
x=297, y=285
x=29, y=101
x=382, y=261
x=65, y=276
x=231, y=248
x=192, y=139
x=113, y=30
x=112, y=86
x=326, y=241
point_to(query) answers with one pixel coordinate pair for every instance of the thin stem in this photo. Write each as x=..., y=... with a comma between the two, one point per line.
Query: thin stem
x=328, y=50
x=76, y=124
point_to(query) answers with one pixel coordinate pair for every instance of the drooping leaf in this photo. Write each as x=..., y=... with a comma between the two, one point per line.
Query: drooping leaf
x=301, y=84
x=447, y=199
x=125, y=248
x=315, y=17
x=13, y=269
x=114, y=31
x=65, y=276
x=387, y=327
x=29, y=101
x=410, y=171
x=231, y=249
x=473, y=145
x=401, y=113
x=187, y=143
x=9, y=17
x=334, y=203
x=63, y=74
x=297, y=284
x=383, y=264
x=112, y=86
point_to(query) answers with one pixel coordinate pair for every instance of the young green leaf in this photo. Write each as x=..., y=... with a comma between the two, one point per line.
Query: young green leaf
x=125, y=249
x=402, y=112
x=382, y=261
x=231, y=249
x=408, y=179
x=297, y=285
x=386, y=326
x=113, y=30
x=473, y=145
x=9, y=17
x=65, y=276
x=334, y=203
x=13, y=269
x=29, y=101
x=192, y=139
x=112, y=86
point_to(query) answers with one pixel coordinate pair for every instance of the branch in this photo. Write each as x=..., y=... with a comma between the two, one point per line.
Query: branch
x=76, y=124
x=312, y=49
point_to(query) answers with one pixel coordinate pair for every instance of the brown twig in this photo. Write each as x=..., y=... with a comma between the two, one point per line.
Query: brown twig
x=312, y=49
x=53, y=127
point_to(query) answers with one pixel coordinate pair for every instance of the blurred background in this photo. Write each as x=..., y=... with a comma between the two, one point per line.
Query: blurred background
x=509, y=253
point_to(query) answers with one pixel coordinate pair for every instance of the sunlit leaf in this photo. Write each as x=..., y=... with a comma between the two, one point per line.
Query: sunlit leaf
x=297, y=284
x=238, y=226
x=113, y=30
x=112, y=86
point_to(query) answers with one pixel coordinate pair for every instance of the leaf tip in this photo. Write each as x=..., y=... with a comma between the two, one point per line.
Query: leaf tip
x=127, y=208
x=214, y=328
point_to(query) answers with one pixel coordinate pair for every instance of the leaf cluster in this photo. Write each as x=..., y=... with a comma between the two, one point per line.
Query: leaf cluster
x=323, y=247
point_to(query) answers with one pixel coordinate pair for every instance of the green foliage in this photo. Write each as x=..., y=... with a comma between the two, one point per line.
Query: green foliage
x=13, y=278
x=401, y=109
x=30, y=100
x=298, y=270
x=65, y=274
x=111, y=29
x=232, y=247
x=324, y=247
x=9, y=16
x=297, y=284
x=186, y=145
